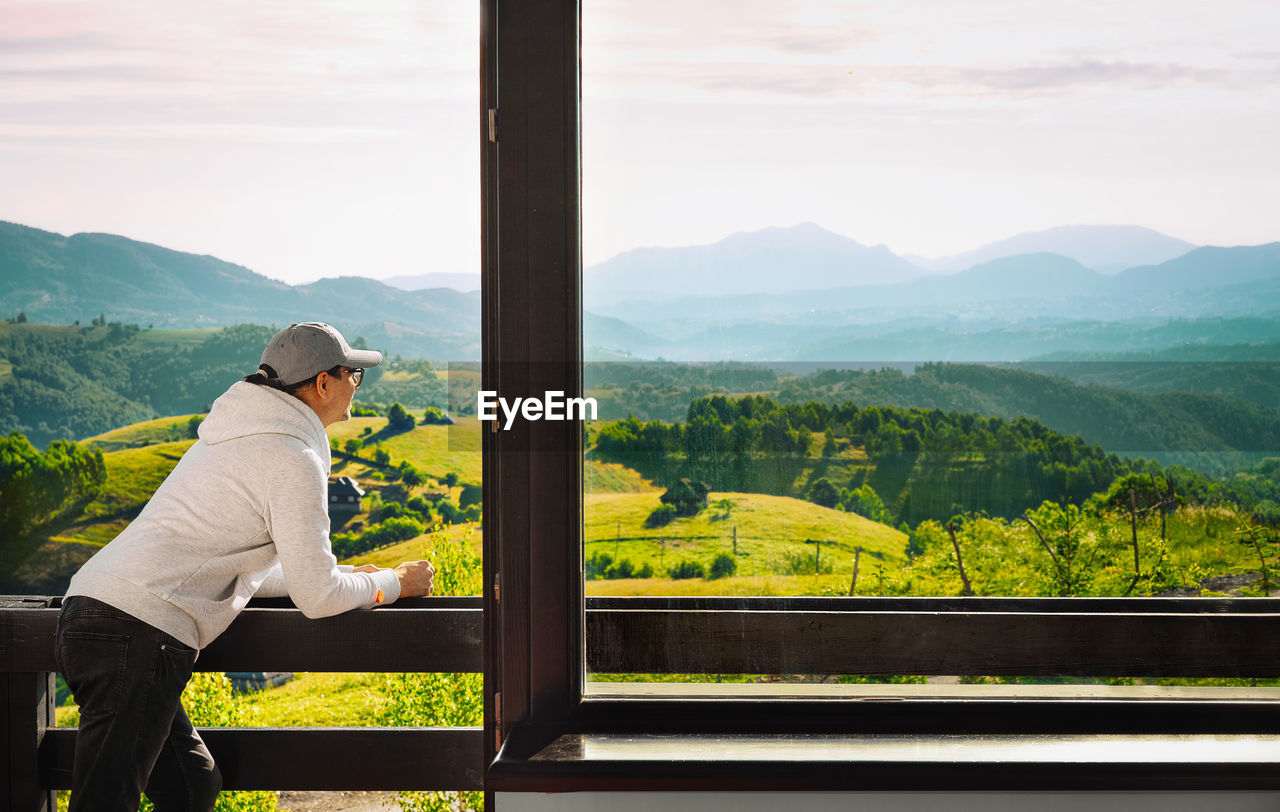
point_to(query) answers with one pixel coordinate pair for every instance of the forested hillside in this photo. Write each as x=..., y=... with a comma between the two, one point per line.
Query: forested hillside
x=1247, y=371
x=1113, y=418
x=923, y=464
x=75, y=382
x=1215, y=430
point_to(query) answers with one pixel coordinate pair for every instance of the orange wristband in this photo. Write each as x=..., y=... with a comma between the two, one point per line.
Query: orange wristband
x=378, y=597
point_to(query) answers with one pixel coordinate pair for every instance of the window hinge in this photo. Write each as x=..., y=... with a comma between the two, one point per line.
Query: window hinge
x=497, y=587
x=493, y=125
x=497, y=716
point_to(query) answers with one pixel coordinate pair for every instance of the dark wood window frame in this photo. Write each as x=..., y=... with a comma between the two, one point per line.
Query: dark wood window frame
x=543, y=734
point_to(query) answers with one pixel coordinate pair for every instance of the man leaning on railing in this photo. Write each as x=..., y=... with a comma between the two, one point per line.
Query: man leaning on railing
x=243, y=513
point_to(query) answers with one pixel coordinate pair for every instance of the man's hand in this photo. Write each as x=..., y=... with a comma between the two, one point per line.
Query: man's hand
x=415, y=578
x=367, y=568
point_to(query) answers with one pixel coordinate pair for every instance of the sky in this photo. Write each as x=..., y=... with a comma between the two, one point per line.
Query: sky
x=335, y=137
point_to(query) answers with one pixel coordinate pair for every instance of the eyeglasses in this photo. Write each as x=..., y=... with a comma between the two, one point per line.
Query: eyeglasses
x=357, y=375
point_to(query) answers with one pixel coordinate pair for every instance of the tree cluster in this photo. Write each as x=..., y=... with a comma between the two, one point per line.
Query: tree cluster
x=929, y=463
x=36, y=488
x=1181, y=419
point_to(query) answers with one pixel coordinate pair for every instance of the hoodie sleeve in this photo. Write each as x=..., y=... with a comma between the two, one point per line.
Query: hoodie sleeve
x=273, y=585
x=297, y=518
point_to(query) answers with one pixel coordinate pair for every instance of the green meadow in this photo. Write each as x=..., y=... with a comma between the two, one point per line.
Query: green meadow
x=436, y=450
x=776, y=535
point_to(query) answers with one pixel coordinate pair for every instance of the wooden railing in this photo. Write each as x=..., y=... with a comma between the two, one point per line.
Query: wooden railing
x=418, y=635
x=988, y=636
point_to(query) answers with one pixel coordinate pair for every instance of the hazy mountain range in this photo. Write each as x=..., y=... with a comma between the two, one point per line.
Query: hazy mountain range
x=1107, y=249
x=465, y=282
x=799, y=293
x=809, y=257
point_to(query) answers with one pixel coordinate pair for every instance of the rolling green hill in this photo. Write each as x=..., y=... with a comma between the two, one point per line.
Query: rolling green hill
x=74, y=382
x=148, y=432
x=769, y=529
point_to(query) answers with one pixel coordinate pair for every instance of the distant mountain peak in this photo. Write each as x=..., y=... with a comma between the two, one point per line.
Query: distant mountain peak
x=775, y=259
x=800, y=231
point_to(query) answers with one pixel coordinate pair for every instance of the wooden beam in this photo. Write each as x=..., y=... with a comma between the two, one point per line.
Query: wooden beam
x=279, y=639
x=321, y=758
x=26, y=716
x=955, y=643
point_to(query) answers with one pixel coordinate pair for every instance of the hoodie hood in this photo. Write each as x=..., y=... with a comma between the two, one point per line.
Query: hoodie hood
x=246, y=409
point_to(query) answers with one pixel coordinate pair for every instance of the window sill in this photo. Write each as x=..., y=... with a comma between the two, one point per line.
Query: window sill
x=709, y=761
x=939, y=690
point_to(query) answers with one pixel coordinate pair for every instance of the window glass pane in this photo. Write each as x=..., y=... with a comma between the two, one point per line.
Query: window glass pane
x=179, y=183
x=927, y=299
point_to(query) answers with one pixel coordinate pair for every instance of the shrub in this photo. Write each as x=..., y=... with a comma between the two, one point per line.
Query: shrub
x=390, y=510
x=597, y=565
x=410, y=475
x=723, y=508
x=661, y=516
x=686, y=569
x=449, y=513
x=601, y=565
x=623, y=569
x=823, y=493
x=724, y=565
x=435, y=417
x=421, y=507
x=399, y=419
x=471, y=495
x=804, y=564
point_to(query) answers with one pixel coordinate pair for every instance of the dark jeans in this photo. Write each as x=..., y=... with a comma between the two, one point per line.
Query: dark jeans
x=128, y=678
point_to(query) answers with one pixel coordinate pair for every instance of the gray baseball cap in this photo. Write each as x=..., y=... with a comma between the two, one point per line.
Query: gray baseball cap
x=302, y=351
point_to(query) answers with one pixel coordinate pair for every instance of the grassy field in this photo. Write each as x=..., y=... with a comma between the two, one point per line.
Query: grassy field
x=149, y=432
x=772, y=533
x=316, y=700
x=176, y=337
x=737, y=585
x=610, y=477
x=436, y=450
x=423, y=546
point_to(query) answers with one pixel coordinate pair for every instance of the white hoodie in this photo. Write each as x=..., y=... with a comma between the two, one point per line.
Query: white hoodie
x=244, y=512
